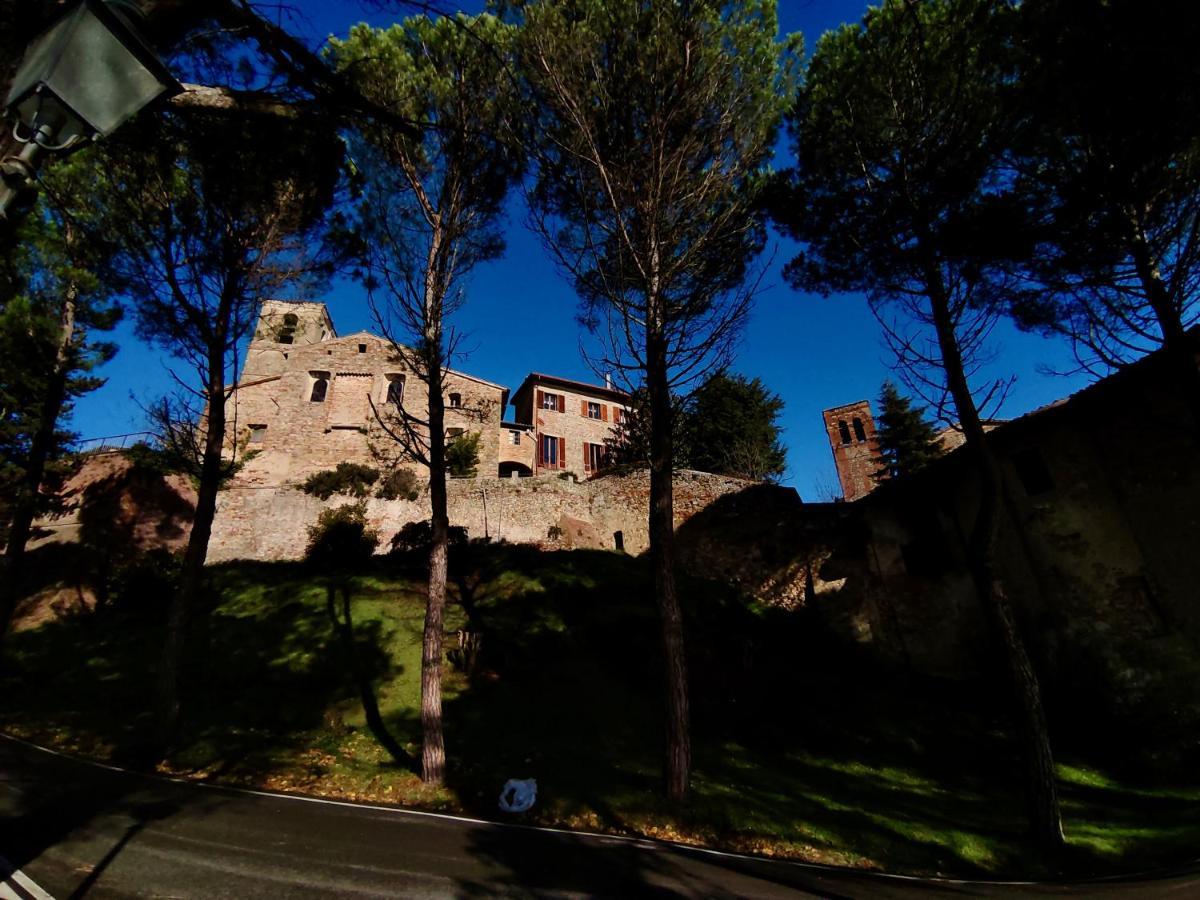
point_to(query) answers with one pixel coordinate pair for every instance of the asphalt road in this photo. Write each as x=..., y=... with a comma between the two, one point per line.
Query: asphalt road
x=73, y=829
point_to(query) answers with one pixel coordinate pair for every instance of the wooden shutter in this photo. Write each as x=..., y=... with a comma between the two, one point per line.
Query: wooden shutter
x=562, y=451
x=587, y=462
x=603, y=412
x=541, y=453
x=538, y=401
x=562, y=403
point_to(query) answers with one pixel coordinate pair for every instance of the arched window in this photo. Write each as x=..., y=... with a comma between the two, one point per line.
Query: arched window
x=859, y=434
x=456, y=400
x=319, y=389
x=288, y=331
x=843, y=431
x=395, y=390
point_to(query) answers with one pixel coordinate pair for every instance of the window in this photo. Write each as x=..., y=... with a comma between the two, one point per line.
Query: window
x=622, y=415
x=257, y=433
x=320, y=387
x=619, y=540
x=859, y=434
x=288, y=331
x=549, y=451
x=456, y=401
x=515, y=437
x=593, y=410
x=843, y=431
x=553, y=401
x=362, y=348
x=395, y=390
x=593, y=457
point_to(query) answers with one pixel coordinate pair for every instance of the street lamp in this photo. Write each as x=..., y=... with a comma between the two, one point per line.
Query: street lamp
x=84, y=77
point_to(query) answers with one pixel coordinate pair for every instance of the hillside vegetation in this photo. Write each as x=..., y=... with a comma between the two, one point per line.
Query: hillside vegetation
x=803, y=749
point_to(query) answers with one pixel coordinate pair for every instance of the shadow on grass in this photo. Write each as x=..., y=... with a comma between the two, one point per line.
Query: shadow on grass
x=262, y=674
x=801, y=745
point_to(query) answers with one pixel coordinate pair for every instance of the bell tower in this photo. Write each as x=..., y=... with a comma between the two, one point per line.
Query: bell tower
x=282, y=325
x=851, y=431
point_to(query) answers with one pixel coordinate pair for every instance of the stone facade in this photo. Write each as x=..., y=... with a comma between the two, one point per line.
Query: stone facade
x=518, y=450
x=313, y=400
x=309, y=399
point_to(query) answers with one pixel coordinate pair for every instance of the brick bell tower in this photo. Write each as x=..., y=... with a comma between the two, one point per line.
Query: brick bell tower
x=851, y=431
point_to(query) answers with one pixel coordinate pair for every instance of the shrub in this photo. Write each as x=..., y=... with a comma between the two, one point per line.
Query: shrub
x=462, y=456
x=399, y=484
x=145, y=582
x=418, y=537
x=341, y=538
x=351, y=479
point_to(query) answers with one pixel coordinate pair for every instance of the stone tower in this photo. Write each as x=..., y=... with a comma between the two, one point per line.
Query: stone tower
x=284, y=324
x=851, y=430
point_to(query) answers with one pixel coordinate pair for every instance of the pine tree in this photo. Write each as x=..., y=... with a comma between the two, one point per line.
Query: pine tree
x=651, y=126
x=732, y=428
x=906, y=441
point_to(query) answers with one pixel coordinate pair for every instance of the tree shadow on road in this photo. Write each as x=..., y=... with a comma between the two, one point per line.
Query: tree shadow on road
x=52, y=802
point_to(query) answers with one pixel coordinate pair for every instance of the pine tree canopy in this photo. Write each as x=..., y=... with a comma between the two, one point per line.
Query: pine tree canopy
x=907, y=442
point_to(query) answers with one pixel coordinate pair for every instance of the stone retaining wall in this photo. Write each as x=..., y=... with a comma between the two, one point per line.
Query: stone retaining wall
x=271, y=523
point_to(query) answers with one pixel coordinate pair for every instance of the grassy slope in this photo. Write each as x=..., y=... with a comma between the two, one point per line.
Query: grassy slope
x=800, y=749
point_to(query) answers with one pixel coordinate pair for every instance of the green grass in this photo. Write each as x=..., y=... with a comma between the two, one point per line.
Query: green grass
x=802, y=747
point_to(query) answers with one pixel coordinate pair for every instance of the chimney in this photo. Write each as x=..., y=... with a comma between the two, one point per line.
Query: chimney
x=608, y=380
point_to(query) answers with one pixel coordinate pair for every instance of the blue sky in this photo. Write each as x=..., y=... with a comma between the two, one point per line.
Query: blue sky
x=520, y=317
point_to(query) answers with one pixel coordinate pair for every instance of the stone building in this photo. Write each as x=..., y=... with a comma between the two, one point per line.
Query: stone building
x=309, y=399
x=569, y=422
x=855, y=445
x=851, y=432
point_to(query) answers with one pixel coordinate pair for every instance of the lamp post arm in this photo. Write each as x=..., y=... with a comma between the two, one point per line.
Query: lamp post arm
x=16, y=175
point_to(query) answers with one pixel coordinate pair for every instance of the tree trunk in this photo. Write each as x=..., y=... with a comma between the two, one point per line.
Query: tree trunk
x=433, y=748
x=1041, y=786
x=191, y=581
x=677, y=759
x=25, y=509
x=1180, y=347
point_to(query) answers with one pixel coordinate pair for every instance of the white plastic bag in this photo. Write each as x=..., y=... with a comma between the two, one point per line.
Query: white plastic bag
x=518, y=795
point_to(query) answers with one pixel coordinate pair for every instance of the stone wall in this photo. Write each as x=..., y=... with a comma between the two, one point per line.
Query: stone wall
x=262, y=522
x=1097, y=550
